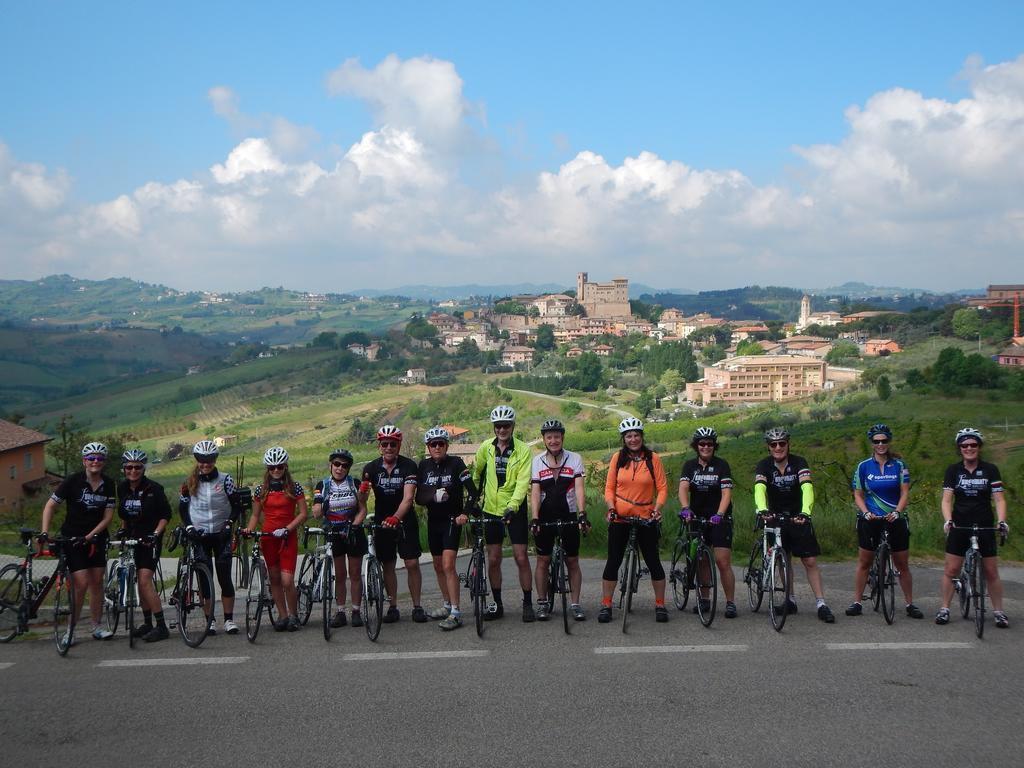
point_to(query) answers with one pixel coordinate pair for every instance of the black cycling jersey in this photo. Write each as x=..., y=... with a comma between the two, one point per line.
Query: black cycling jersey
x=972, y=492
x=142, y=509
x=433, y=475
x=389, y=487
x=85, y=505
x=783, y=487
x=706, y=484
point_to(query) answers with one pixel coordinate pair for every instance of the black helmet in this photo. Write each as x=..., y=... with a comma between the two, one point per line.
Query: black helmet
x=704, y=433
x=552, y=425
x=340, y=453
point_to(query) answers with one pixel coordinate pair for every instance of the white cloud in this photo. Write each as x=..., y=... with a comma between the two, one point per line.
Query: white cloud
x=920, y=191
x=422, y=94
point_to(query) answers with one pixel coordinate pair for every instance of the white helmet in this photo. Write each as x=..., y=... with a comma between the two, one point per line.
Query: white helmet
x=94, y=449
x=503, y=413
x=205, y=448
x=967, y=432
x=630, y=424
x=436, y=433
x=274, y=456
x=135, y=456
x=776, y=434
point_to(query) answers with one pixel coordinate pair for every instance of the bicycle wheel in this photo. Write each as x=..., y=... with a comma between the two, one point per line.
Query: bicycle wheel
x=112, y=597
x=373, y=598
x=255, y=586
x=962, y=583
x=563, y=587
x=753, y=577
x=780, y=584
x=192, y=618
x=624, y=578
x=677, y=575
x=706, y=579
x=326, y=595
x=131, y=594
x=978, y=588
x=477, y=590
x=632, y=576
x=304, y=586
x=10, y=601
x=886, y=579
x=63, y=610
x=241, y=563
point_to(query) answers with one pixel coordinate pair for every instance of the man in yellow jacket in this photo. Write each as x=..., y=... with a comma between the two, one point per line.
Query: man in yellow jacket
x=501, y=470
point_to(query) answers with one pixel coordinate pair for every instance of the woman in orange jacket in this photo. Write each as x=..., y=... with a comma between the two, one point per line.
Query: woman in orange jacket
x=636, y=488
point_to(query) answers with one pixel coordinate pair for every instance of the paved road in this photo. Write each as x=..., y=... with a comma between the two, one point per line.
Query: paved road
x=735, y=694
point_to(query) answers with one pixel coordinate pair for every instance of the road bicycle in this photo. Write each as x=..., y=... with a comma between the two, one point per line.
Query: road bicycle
x=631, y=571
x=373, y=592
x=693, y=568
x=239, y=558
x=475, y=577
x=22, y=596
x=121, y=589
x=882, y=576
x=770, y=570
x=193, y=594
x=308, y=582
x=257, y=594
x=970, y=584
x=558, y=570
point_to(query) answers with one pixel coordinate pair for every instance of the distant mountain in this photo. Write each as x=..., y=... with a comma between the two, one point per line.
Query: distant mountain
x=855, y=290
x=442, y=292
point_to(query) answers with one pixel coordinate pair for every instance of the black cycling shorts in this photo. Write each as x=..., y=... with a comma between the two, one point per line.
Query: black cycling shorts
x=799, y=540
x=518, y=527
x=442, y=534
x=353, y=545
x=719, y=536
x=959, y=541
x=87, y=555
x=869, y=533
x=403, y=542
x=545, y=539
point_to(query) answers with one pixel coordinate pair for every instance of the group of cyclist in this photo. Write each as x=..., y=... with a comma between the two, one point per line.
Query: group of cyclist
x=516, y=493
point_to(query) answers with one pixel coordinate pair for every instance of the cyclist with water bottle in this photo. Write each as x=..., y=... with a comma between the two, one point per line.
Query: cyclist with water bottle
x=636, y=487
x=337, y=499
x=439, y=490
x=782, y=487
x=881, y=490
x=281, y=503
x=557, y=494
x=969, y=490
x=501, y=470
x=143, y=508
x=90, y=498
x=705, y=491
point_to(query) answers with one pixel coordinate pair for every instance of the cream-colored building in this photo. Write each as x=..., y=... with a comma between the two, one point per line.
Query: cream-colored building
x=758, y=379
x=603, y=299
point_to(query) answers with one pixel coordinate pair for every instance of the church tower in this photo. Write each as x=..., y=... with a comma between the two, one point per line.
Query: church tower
x=805, y=312
x=581, y=283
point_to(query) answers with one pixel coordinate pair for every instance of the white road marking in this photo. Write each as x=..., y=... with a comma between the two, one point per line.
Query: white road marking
x=413, y=655
x=179, y=662
x=895, y=646
x=6, y=664
x=671, y=649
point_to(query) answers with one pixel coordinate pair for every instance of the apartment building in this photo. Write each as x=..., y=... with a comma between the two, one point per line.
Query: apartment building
x=758, y=379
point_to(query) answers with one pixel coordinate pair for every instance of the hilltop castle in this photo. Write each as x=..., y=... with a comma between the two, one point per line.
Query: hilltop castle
x=603, y=299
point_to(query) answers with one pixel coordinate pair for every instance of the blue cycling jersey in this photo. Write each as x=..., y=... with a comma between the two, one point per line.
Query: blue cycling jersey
x=881, y=485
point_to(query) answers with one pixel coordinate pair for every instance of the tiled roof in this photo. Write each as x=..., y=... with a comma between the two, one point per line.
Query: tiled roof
x=13, y=436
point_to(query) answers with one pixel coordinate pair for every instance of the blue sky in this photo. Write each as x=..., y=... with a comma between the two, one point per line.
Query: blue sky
x=99, y=102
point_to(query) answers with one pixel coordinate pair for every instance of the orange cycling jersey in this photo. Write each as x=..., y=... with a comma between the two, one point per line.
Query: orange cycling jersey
x=631, y=490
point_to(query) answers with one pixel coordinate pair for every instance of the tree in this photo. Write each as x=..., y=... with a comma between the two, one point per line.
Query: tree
x=842, y=350
x=884, y=388
x=644, y=404
x=949, y=367
x=749, y=347
x=967, y=323
x=66, y=448
x=418, y=328
x=672, y=381
x=590, y=374
x=545, y=336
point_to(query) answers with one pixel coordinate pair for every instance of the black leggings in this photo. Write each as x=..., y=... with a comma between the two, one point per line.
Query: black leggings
x=216, y=548
x=647, y=542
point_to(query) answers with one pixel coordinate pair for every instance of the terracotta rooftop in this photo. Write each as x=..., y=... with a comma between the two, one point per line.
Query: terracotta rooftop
x=13, y=436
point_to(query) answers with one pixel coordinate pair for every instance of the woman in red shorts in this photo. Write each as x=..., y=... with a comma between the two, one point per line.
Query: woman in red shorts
x=281, y=502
